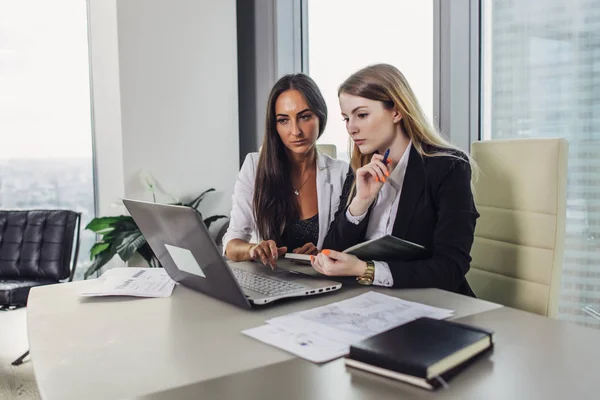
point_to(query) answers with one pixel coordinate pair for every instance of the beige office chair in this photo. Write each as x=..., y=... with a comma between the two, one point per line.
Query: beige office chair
x=519, y=238
x=328, y=149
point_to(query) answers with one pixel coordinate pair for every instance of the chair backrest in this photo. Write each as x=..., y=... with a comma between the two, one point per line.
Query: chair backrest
x=328, y=149
x=38, y=244
x=519, y=238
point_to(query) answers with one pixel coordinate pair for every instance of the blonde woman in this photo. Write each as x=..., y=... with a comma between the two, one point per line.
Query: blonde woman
x=421, y=194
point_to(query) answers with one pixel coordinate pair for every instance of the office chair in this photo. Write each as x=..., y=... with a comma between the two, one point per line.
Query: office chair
x=328, y=149
x=35, y=249
x=519, y=238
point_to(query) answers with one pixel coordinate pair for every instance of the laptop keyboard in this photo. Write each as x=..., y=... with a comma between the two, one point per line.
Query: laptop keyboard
x=264, y=285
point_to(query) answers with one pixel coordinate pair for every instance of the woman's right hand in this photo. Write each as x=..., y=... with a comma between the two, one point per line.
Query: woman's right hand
x=369, y=181
x=267, y=252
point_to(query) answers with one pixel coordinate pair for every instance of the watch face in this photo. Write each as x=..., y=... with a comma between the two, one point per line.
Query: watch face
x=364, y=280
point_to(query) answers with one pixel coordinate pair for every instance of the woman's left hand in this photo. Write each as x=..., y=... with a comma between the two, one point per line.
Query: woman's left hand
x=334, y=263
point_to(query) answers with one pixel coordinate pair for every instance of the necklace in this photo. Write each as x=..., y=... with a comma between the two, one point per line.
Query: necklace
x=297, y=191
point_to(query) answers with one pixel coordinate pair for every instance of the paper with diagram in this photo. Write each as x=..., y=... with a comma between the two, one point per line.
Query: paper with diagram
x=308, y=345
x=334, y=327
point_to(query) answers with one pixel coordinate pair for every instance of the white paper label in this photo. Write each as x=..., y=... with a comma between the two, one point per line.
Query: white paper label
x=185, y=261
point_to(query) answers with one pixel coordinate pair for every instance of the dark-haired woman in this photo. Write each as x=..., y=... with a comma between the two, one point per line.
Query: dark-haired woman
x=286, y=195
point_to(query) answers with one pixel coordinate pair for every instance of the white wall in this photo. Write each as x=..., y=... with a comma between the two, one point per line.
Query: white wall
x=179, y=104
x=165, y=99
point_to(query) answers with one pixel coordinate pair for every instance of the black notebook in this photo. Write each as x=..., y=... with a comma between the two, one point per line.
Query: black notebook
x=425, y=352
x=385, y=248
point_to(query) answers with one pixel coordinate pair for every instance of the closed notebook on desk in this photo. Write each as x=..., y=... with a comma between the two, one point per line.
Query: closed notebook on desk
x=420, y=351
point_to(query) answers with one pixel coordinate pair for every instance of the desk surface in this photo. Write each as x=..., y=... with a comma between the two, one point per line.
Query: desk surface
x=107, y=348
x=534, y=358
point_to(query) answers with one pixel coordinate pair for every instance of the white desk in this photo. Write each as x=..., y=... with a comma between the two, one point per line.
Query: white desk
x=534, y=358
x=112, y=348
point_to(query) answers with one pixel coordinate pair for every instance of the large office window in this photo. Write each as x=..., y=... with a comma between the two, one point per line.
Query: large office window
x=346, y=35
x=541, y=78
x=45, y=127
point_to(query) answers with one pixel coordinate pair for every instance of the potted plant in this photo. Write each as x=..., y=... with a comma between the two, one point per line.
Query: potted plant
x=120, y=235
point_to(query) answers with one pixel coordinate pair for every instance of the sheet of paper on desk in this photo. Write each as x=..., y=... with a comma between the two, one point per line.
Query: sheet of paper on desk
x=330, y=330
x=308, y=345
x=140, y=282
x=359, y=317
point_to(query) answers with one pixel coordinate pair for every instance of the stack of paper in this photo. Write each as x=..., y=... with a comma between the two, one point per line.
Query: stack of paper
x=141, y=282
x=325, y=333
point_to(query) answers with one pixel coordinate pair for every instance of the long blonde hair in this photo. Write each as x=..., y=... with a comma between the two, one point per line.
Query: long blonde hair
x=385, y=83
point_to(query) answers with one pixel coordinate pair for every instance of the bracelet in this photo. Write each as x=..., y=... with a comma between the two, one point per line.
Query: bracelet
x=367, y=277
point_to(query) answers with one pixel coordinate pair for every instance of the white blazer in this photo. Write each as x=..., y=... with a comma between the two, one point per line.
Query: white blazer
x=331, y=174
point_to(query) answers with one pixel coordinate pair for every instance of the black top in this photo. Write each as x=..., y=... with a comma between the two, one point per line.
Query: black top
x=298, y=232
x=436, y=210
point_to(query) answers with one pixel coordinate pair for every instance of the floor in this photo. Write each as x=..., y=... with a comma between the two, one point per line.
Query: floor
x=15, y=382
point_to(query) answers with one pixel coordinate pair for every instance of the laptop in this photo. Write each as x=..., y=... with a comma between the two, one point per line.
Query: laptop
x=185, y=249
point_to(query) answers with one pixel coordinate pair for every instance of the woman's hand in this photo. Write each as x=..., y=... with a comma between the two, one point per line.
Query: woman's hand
x=267, y=251
x=308, y=248
x=334, y=263
x=369, y=181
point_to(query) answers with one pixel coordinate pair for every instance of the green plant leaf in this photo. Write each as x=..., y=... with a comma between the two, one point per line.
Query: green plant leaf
x=98, y=248
x=146, y=252
x=103, y=223
x=126, y=224
x=99, y=261
x=196, y=202
x=121, y=230
x=130, y=245
x=208, y=221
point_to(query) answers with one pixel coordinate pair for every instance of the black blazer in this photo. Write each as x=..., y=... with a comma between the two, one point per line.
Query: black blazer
x=436, y=210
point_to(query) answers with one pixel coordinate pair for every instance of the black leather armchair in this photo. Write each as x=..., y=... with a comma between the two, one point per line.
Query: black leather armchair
x=37, y=247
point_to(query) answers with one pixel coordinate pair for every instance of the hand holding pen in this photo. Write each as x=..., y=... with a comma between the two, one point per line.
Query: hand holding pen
x=379, y=167
x=369, y=181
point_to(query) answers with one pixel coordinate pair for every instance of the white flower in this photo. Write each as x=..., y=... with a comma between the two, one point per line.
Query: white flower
x=148, y=181
x=117, y=203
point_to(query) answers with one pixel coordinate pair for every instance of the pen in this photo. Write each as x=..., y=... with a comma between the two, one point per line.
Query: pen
x=385, y=156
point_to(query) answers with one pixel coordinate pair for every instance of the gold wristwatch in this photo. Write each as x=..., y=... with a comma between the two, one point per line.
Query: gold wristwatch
x=367, y=277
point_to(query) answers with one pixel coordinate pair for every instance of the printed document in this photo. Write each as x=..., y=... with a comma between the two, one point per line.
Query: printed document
x=325, y=333
x=141, y=282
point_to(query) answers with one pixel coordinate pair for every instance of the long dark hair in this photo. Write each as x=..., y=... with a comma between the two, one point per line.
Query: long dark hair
x=274, y=202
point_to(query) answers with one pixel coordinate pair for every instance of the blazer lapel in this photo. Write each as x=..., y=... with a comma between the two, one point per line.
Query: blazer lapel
x=323, y=198
x=412, y=190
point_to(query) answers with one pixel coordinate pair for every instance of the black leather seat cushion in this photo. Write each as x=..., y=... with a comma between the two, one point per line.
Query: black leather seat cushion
x=15, y=292
x=35, y=249
x=36, y=244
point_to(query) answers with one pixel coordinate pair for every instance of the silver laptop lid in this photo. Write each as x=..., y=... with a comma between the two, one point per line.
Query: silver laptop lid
x=178, y=233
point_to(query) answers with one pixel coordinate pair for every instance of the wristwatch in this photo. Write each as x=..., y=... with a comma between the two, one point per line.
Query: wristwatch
x=367, y=277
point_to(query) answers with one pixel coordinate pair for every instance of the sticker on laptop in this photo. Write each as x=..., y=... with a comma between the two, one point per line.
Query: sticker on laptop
x=185, y=261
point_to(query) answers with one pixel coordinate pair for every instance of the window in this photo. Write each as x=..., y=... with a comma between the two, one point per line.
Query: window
x=346, y=35
x=45, y=122
x=541, y=78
